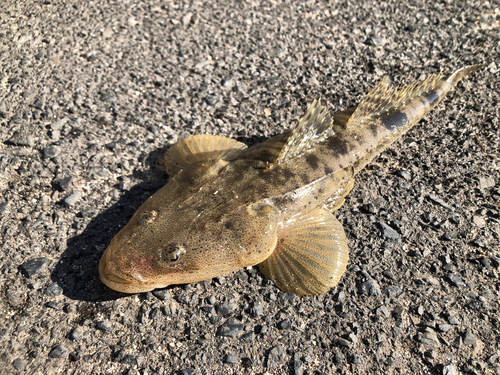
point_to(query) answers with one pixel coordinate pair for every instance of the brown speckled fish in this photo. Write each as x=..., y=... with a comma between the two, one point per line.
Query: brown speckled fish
x=227, y=206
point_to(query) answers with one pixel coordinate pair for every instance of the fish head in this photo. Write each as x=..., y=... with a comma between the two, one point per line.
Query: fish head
x=158, y=247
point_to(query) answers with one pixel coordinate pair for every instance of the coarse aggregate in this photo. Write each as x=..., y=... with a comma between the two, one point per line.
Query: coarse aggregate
x=92, y=94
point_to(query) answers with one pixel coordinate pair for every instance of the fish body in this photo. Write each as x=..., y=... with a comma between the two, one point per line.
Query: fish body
x=227, y=206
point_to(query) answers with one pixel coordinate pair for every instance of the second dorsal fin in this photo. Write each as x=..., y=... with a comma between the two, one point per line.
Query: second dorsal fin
x=313, y=127
x=384, y=97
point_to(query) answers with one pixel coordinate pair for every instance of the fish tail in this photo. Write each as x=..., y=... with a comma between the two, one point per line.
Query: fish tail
x=456, y=76
x=400, y=108
x=387, y=112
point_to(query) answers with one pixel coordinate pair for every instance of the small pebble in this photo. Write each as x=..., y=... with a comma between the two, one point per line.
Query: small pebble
x=357, y=360
x=345, y=343
x=21, y=139
x=225, y=309
x=231, y=359
x=208, y=309
x=382, y=311
x=73, y=198
x=439, y=201
x=276, y=357
x=450, y=370
x=63, y=184
x=370, y=288
x=392, y=291
x=444, y=327
x=58, y=351
x=456, y=280
x=162, y=294
x=109, y=97
x=231, y=328
x=429, y=339
x=285, y=324
x=469, y=338
x=298, y=367
x=51, y=151
x=227, y=81
x=19, y=364
x=405, y=174
x=53, y=290
x=388, y=233
x=105, y=325
x=58, y=124
x=76, y=333
x=256, y=310
x=247, y=338
x=53, y=305
x=33, y=266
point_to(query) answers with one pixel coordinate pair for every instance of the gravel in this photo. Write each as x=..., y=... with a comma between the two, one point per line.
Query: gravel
x=92, y=94
x=34, y=266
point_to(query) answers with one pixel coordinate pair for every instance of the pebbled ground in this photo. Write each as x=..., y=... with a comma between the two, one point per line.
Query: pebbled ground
x=93, y=93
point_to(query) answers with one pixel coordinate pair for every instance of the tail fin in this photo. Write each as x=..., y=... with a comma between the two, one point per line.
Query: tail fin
x=384, y=99
x=456, y=76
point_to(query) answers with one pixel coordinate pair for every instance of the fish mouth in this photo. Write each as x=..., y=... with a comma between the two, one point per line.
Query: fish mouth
x=115, y=278
x=115, y=282
x=107, y=275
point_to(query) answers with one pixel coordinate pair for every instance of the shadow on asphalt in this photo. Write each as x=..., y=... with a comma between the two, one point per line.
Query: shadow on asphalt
x=76, y=272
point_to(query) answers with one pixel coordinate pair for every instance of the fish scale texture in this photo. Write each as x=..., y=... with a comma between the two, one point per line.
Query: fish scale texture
x=92, y=94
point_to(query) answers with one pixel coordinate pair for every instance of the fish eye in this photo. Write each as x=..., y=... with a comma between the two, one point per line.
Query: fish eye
x=173, y=252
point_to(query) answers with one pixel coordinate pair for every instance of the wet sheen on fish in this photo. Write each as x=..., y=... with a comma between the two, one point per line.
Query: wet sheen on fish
x=227, y=206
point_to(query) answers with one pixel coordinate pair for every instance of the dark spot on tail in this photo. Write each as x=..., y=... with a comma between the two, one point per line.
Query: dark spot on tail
x=395, y=120
x=374, y=130
x=328, y=170
x=312, y=161
x=432, y=97
x=338, y=146
x=288, y=174
x=305, y=178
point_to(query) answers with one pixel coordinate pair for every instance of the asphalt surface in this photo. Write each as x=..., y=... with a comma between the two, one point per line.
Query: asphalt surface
x=93, y=93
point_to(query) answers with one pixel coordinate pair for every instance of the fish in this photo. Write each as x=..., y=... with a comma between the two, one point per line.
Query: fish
x=227, y=206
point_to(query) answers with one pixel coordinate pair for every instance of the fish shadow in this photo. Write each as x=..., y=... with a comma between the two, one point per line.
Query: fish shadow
x=76, y=272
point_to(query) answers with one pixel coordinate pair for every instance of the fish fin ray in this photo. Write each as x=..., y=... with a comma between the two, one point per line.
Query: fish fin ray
x=384, y=97
x=312, y=266
x=200, y=148
x=313, y=127
x=341, y=118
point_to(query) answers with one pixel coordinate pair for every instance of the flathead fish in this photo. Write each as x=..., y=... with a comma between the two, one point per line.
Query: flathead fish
x=227, y=206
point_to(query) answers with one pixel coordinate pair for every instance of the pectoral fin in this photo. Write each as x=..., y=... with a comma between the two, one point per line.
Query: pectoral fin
x=200, y=148
x=311, y=254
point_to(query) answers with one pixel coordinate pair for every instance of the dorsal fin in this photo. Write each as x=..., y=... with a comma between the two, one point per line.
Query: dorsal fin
x=313, y=127
x=384, y=97
x=200, y=148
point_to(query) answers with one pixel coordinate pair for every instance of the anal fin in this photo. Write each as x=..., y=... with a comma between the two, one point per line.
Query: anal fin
x=311, y=254
x=200, y=148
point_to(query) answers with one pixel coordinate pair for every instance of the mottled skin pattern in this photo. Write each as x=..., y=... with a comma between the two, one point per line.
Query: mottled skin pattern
x=217, y=217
